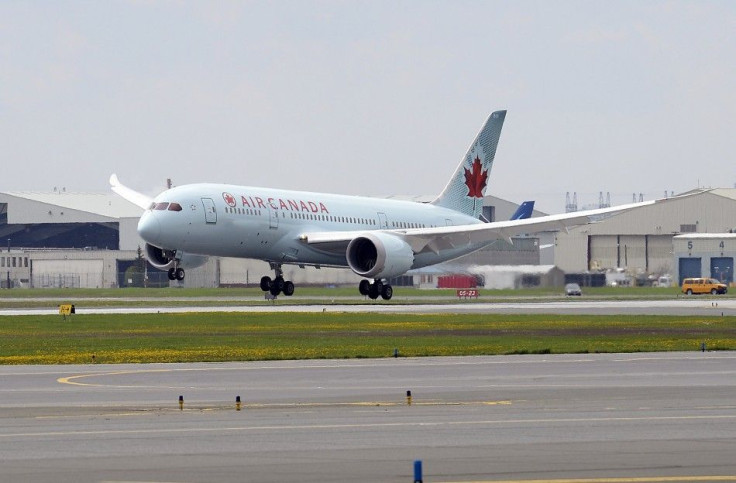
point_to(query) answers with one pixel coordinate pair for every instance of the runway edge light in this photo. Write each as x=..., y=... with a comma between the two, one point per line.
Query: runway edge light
x=181, y=403
x=237, y=403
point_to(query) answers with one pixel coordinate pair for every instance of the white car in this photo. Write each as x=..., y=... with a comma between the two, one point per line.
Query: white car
x=573, y=289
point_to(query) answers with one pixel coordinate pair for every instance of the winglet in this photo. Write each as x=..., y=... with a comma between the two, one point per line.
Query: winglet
x=133, y=196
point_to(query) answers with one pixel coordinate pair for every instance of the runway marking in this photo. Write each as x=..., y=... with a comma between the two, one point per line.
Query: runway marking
x=68, y=379
x=361, y=426
x=645, y=479
x=74, y=380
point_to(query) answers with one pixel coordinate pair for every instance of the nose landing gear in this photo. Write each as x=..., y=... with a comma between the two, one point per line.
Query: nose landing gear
x=373, y=290
x=277, y=285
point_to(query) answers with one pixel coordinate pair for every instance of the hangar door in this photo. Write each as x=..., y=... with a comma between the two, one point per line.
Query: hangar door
x=722, y=269
x=659, y=252
x=67, y=273
x=650, y=253
x=689, y=267
x=618, y=251
x=603, y=251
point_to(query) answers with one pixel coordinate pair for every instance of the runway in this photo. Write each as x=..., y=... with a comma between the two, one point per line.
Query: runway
x=596, y=418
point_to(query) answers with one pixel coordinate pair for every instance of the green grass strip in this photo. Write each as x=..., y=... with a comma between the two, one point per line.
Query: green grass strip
x=195, y=337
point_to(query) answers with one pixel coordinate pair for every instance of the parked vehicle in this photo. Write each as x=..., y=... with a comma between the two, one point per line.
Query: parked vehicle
x=703, y=285
x=573, y=289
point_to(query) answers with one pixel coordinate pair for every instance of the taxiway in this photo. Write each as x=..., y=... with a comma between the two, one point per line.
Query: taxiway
x=637, y=417
x=674, y=306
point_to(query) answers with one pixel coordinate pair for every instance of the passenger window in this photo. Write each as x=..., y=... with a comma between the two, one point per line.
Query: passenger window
x=174, y=207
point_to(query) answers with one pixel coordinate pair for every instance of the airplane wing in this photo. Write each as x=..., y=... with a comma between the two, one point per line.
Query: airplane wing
x=131, y=195
x=447, y=237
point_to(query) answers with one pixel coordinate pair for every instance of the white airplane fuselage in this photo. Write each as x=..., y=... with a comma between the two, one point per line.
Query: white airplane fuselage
x=268, y=224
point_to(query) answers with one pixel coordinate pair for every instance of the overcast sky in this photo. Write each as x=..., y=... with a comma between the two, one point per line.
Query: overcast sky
x=369, y=98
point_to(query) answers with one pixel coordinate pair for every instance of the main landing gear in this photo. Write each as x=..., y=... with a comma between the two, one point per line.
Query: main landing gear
x=277, y=285
x=373, y=290
x=176, y=274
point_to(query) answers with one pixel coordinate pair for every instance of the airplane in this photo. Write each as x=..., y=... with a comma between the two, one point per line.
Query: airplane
x=378, y=239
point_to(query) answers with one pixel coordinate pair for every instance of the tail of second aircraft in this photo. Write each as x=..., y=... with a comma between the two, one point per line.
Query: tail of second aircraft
x=524, y=211
x=465, y=191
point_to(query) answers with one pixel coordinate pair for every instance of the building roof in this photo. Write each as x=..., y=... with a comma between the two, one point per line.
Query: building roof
x=102, y=204
x=705, y=236
x=729, y=193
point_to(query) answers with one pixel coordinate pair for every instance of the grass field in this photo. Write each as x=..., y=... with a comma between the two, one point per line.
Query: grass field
x=267, y=336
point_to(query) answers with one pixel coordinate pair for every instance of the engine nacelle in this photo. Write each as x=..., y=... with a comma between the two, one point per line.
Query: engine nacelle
x=164, y=259
x=379, y=255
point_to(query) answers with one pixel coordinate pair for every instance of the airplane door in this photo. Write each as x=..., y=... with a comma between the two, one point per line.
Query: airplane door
x=382, y=221
x=273, y=219
x=210, y=215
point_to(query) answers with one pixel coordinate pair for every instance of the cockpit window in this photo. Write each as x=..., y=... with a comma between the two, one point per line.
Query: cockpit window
x=161, y=206
x=153, y=205
x=174, y=207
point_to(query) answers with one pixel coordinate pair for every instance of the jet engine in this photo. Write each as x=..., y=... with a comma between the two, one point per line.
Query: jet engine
x=379, y=255
x=164, y=259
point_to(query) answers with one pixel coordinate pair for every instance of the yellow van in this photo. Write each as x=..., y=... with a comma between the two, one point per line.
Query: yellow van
x=703, y=285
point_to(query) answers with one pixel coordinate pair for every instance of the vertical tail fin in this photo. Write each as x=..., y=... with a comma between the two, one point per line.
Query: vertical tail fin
x=465, y=191
x=524, y=211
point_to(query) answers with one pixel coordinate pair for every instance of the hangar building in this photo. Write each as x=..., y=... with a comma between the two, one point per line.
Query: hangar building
x=642, y=240
x=705, y=255
x=64, y=239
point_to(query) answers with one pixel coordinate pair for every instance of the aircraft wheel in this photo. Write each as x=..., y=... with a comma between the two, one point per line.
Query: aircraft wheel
x=275, y=290
x=387, y=292
x=288, y=288
x=179, y=274
x=172, y=274
x=265, y=283
x=364, y=287
x=373, y=292
x=279, y=283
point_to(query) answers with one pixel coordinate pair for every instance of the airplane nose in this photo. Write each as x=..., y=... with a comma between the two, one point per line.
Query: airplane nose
x=149, y=228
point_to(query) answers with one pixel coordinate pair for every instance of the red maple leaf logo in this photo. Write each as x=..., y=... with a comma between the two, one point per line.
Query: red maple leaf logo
x=476, y=181
x=229, y=199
